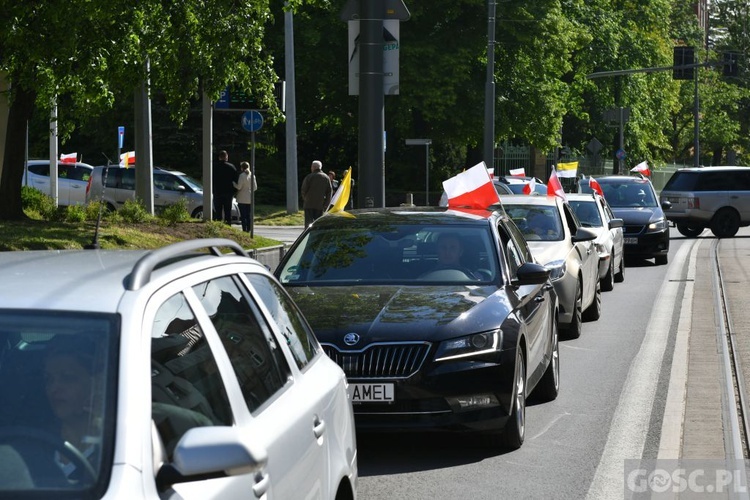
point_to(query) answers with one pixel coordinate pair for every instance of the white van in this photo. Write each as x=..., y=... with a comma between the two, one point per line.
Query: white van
x=72, y=179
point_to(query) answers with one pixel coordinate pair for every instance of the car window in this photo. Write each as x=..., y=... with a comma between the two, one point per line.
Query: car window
x=186, y=388
x=60, y=378
x=537, y=222
x=40, y=169
x=166, y=182
x=512, y=253
x=256, y=357
x=587, y=212
x=80, y=173
x=294, y=328
x=682, y=181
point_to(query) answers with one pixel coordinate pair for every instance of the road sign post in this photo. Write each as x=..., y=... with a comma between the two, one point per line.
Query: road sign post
x=252, y=121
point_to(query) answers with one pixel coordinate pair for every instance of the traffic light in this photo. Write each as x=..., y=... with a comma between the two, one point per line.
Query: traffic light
x=683, y=56
x=730, y=64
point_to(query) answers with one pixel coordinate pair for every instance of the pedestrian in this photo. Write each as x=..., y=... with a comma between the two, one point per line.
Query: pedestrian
x=246, y=187
x=316, y=192
x=334, y=182
x=224, y=177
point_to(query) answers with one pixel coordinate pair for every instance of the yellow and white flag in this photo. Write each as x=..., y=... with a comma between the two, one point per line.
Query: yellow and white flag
x=341, y=196
x=569, y=169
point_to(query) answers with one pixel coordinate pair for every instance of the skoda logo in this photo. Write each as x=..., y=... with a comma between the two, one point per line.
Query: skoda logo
x=351, y=338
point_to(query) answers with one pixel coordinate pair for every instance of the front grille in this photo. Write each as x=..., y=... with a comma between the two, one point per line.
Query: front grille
x=380, y=360
x=632, y=230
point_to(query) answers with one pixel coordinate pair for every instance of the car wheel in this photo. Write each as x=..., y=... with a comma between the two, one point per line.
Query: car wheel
x=620, y=274
x=608, y=282
x=513, y=434
x=594, y=311
x=549, y=385
x=725, y=223
x=661, y=260
x=573, y=330
x=197, y=213
x=689, y=231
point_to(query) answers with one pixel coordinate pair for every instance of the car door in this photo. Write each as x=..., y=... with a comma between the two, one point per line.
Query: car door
x=282, y=404
x=167, y=190
x=38, y=177
x=78, y=177
x=587, y=254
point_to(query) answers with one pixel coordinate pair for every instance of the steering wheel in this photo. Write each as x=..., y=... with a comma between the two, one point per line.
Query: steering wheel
x=50, y=442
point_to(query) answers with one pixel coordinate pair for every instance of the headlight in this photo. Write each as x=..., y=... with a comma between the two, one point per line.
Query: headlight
x=601, y=248
x=557, y=269
x=658, y=225
x=470, y=345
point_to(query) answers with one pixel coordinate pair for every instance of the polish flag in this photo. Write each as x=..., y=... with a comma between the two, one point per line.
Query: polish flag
x=471, y=188
x=491, y=171
x=127, y=159
x=595, y=186
x=68, y=158
x=529, y=187
x=554, y=188
x=642, y=168
x=517, y=172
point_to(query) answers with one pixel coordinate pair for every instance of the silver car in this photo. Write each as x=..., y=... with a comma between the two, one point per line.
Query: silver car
x=72, y=179
x=557, y=240
x=170, y=187
x=594, y=212
x=180, y=372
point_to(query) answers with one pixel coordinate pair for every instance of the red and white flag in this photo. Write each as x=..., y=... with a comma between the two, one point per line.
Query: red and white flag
x=471, y=188
x=68, y=158
x=554, y=188
x=642, y=168
x=491, y=171
x=517, y=172
x=529, y=187
x=595, y=186
x=127, y=159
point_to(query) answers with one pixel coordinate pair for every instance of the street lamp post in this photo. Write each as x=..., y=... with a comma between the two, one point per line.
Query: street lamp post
x=426, y=143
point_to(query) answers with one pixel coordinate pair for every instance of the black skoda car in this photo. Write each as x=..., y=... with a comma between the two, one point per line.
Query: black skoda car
x=634, y=200
x=440, y=317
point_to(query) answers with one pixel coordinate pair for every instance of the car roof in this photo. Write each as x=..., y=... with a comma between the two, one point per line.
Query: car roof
x=407, y=215
x=623, y=179
x=581, y=196
x=522, y=199
x=727, y=168
x=46, y=162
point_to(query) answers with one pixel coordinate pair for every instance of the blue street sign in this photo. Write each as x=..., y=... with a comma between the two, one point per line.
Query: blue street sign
x=120, y=136
x=620, y=154
x=252, y=121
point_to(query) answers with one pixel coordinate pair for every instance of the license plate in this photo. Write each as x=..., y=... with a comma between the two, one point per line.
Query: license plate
x=630, y=241
x=371, y=393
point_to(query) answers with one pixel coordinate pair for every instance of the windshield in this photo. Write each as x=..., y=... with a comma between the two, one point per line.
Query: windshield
x=58, y=396
x=406, y=254
x=629, y=194
x=194, y=184
x=587, y=213
x=537, y=222
x=517, y=188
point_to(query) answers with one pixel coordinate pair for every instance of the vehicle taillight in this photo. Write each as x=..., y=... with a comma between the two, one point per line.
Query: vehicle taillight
x=694, y=202
x=88, y=185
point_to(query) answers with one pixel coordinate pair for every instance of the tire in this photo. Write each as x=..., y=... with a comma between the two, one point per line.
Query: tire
x=573, y=330
x=514, y=432
x=620, y=274
x=661, y=260
x=197, y=213
x=549, y=386
x=726, y=223
x=594, y=311
x=690, y=231
x=608, y=282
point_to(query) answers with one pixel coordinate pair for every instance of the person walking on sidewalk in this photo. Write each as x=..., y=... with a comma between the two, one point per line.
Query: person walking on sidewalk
x=316, y=192
x=246, y=187
x=224, y=177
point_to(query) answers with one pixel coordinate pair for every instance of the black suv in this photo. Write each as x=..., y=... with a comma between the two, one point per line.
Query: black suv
x=634, y=200
x=713, y=197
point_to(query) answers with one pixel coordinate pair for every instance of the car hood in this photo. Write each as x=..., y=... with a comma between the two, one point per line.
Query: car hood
x=388, y=313
x=547, y=251
x=638, y=215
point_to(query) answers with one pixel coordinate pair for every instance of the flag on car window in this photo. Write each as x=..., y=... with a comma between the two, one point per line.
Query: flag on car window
x=595, y=186
x=127, y=159
x=529, y=187
x=471, y=188
x=341, y=196
x=554, y=188
x=68, y=158
x=517, y=172
x=642, y=168
x=569, y=169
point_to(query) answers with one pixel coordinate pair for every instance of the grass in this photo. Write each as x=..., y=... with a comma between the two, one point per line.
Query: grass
x=36, y=233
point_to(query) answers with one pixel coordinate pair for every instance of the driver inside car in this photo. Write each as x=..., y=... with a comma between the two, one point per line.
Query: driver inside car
x=450, y=250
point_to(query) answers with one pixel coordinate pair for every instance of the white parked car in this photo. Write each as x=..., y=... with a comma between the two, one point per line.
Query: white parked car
x=169, y=373
x=594, y=212
x=72, y=179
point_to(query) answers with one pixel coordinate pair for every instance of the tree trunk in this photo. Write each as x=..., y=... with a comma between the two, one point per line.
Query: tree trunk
x=21, y=106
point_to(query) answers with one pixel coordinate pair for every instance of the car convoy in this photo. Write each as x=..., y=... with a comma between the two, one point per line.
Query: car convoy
x=387, y=319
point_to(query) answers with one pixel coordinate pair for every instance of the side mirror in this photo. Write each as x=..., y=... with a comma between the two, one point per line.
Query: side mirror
x=615, y=223
x=584, y=234
x=531, y=274
x=666, y=205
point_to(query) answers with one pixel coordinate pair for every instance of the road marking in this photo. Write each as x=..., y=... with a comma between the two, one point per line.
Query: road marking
x=630, y=422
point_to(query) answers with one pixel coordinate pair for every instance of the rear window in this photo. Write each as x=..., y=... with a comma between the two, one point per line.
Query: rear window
x=707, y=180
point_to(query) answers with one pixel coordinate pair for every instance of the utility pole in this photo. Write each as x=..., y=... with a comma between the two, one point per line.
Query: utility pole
x=489, y=89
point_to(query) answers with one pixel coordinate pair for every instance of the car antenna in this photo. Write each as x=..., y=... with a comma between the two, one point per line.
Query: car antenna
x=94, y=245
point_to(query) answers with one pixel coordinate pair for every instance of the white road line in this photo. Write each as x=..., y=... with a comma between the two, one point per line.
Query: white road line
x=627, y=433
